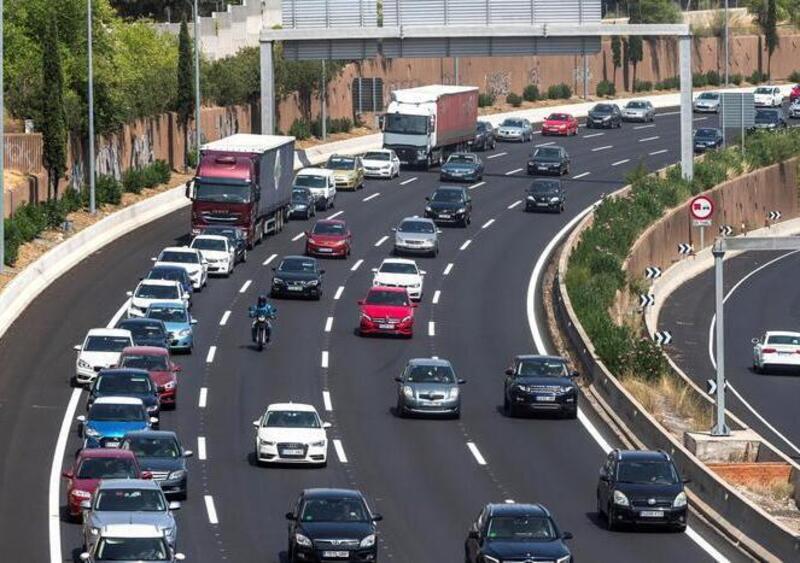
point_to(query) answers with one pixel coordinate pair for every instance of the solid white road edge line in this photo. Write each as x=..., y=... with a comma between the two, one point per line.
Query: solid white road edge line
x=582, y=175
x=466, y=244
x=245, y=286
x=436, y=295
x=202, y=400
x=487, y=224
x=357, y=265
x=326, y=400
x=406, y=182
x=334, y=215
x=371, y=197
x=381, y=241
x=448, y=269
x=270, y=259
x=212, y=351
x=337, y=445
x=328, y=324
x=211, y=509
x=201, y=448
x=298, y=236
x=498, y=155
x=325, y=357
x=476, y=453
x=224, y=320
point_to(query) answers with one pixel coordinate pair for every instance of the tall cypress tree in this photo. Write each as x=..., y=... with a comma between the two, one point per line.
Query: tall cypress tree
x=635, y=54
x=54, y=122
x=770, y=27
x=616, y=54
x=185, y=99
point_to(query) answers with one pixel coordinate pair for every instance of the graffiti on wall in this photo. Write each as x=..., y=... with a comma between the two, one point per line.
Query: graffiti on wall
x=498, y=83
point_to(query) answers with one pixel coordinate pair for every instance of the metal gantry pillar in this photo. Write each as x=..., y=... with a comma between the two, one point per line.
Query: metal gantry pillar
x=720, y=428
x=90, y=101
x=685, y=65
x=267, y=89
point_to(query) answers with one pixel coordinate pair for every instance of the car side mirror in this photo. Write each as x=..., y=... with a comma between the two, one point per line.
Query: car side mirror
x=474, y=535
x=68, y=474
x=154, y=259
x=79, y=347
x=566, y=536
x=153, y=420
x=603, y=476
x=147, y=475
x=462, y=381
x=414, y=305
x=193, y=321
x=574, y=374
x=398, y=379
x=188, y=453
x=686, y=481
x=86, y=504
x=256, y=423
x=129, y=293
x=361, y=302
x=422, y=272
x=394, y=229
x=274, y=269
x=180, y=557
x=290, y=516
x=174, y=505
x=375, y=270
x=322, y=272
x=85, y=556
x=377, y=517
x=81, y=418
x=438, y=231
x=327, y=425
x=509, y=371
x=305, y=233
x=427, y=198
x=755, y=341
x=177, y=367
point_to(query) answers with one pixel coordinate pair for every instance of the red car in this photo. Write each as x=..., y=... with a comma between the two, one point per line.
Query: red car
x=387, y=310
x=560, y=124
x=163, y=371
x=329, y=237
x=92, y=465
x=795, y=93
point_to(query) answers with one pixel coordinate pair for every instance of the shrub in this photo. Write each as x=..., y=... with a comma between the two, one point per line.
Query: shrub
x=671, y=83
x=757, y=77
x=712, y=78
x=795, y=76
x=162, y=170
x=341, y=125
x=133, y=180
x=514, y=100
x=606, y=88
x=192, y=158
x=108, y=190
x=485, y=100
x=735, y=78
x=300, y=129
x=531, y=93
x=559, y=92
x=699, y=80
x=642, y=86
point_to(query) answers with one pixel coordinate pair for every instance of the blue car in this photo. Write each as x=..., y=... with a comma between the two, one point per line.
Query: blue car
x=172, y=273
x=110, y=418
x=179, y=323
x=462, y=167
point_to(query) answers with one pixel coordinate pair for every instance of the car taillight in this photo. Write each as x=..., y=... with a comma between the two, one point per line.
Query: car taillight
x=768, y=351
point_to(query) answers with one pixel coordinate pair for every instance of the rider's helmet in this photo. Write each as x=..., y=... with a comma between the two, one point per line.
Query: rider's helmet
x=262, y=300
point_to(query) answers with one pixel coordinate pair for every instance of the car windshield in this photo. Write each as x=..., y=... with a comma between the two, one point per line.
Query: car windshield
x=461, y=158
x=447, y=196
x=141, y=330
x=143, y=361
x=178, y=275
x=763, y=91
x=512, y=123
x=558, y=117
x=132, y=549
x=130, y=500
x=706, y=133
x=168, y=314
x=341, y=163
x=544, y=187
x=784, y=339
x=230, y=234
x=521, y=528
x=328, y=229
x=298, y=265
x=430, y=374
x=603, y=108
x=153, y=446
x=300, y=196
x=309, y=181
x=393, y=298
x=377, y=155
x=541, y=367
x=106, y=343
x=483, y=126
x=636, y=105
x=416, y=227
x=291, y=419
x=708, y=96
x=222, y=192
x=147, y=291
x=647, y=472
x=405, y=124
x=123, y=384
x=179, y=257
x=106, y=468
x=766, y=115
x=547, y=153
x=116, y=412
x=334, y=510
x=202, y=243
x=398, y=268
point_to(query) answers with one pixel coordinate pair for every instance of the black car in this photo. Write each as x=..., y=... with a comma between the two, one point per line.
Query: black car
x=303, y=204
x=450, y=204
x=707, y=138
x=126, y=382
x=516, y=532
x=641, y=487
x=537, y=384
x=484, y=137
x=236, y=237
x=462, y=167
x=160, y=452
x=604, y=115
x=146, y=331
x=332, y=525
x=549, y=160
x=298, y=276
x=770, y=119
x=545, y=194
x=172, y=273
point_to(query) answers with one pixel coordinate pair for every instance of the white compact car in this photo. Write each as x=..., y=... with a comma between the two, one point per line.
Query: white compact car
x=149, y=292
x=131, y=542
x=767, y=96
x=381, y=163
x=291, y=433
x=776, y=349
x=794, y=109
x=321, y=183
x=100, y=349
x=187, y=258
x=217, y=251
x=400, y=272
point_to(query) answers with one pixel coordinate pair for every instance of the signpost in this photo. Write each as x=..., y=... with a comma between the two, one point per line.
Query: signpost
x=738, y=111
x=701, y=209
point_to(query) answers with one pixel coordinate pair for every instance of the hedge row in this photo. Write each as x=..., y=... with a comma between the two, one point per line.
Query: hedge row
x=595, y=274
x=303, y=129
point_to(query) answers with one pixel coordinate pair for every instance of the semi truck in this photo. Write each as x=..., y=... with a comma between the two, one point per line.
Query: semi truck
x=244, y=181
x=424, y=125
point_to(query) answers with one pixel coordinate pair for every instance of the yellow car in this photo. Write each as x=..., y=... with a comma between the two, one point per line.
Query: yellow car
x=348, y=171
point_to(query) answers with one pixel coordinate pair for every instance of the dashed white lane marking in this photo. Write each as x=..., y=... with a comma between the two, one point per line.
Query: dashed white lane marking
x=357, y=265
x=624, y=161
x=245, y=286
x=700, y=118
x=338, y=294
x=545, y=144
x=436, y=295
x=224, y=320
x=203, y=400
x=335, y=215
x=298, y=236
x=211, y=510
x=593, y=135
x=662, y=151
x=371, y=197
x=476, y=186
x=201, y=448
x=381, y=241
x=603, y=148
x=337, y=445
x=466, y=244
x=324, y=359
x=512, y=172
x=487, y=224
x=211, y=353
x=582, y=175
x=328, y=324
x=476, y=453
x=646, y=139
x=414, y=179
x=268, y=260
x=498, y=155
x=431, y=328
x=448, y=269
x=516, y=203
x=326, y=400
x=644, y=126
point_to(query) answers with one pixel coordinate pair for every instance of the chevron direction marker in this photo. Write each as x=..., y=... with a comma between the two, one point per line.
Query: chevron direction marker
x=647, y=300
x=662, y=337
x=652, y=272
x=685, y=249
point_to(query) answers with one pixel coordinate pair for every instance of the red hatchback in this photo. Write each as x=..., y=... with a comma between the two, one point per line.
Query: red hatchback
x=560, y=124
x=387, y=310
x=795, y=93
x=329, y=237
x=92, y=465
x=163, y=371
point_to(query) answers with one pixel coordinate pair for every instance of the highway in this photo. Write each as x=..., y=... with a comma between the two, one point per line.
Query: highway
x=429, y=478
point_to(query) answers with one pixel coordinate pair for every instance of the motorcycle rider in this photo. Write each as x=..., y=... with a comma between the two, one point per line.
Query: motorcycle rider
x=262, y=309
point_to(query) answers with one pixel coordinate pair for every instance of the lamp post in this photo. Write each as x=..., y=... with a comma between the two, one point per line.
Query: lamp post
x=92, y=202
x=2, y=149
x=197, y=129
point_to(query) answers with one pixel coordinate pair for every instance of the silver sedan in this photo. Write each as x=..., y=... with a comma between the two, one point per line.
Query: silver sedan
x=639, y=110
x=416, y=235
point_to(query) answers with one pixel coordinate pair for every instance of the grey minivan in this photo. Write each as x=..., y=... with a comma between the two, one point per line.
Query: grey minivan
x=428, y=386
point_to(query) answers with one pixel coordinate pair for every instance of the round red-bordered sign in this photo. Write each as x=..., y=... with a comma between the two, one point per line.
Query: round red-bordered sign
x=701, y=208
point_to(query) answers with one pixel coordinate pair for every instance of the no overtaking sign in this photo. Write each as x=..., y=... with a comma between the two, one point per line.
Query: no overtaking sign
x=701, y=209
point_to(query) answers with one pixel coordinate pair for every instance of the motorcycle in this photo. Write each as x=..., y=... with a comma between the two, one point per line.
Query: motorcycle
x=262, y=330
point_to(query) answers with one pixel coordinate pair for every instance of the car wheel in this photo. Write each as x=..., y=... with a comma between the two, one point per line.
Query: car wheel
x=757, y=368
x=561, y=209
x=244, y=255
x=457, y=414
x=571, y=414
x=400, y=410
x=679, y=529
x=507, y=407
x=588, y=124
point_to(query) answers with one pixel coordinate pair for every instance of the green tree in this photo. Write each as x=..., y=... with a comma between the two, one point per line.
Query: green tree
x=185, y=96
x=54, y=127
x=635, y=52
x=616, y=54
x=770, y=30
x=626, y=58
x=653, y=11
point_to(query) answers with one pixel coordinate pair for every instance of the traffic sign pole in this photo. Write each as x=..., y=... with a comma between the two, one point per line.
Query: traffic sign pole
x=701, y=209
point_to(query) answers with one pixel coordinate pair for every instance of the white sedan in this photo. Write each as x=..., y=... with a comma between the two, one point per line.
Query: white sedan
x=382, y=163
x=291, y=433
x=776, y=349
x=187, y=258
x=150, y=292
x=400, y=272
x=100, y=349
x=217, y=251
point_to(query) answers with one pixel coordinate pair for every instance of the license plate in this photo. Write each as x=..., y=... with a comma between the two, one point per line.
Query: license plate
x=784, y=353
x=293, y=288
x=324, y=250
x=111, y=444
x=444, y=216
x=336, y=554
x=542, y=167
x=540, y=204
x=403, y=162
x=385, y=326
x=292, y=452
x=651, y=513
x=546, y=398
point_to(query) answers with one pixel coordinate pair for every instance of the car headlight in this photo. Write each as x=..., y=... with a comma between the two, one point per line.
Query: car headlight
x=277, y=281
x=620, y=499
x=680, y=500
x=366, y=317
x=302, y=540
x=91, y=432
x=454, y=392
x=565, y=389
x=369, y=541
x=83, y=364
x=77, y=493
x=312, y=283
x=490, y=559
x=408, y=392
x=462, y=210
x=565, y=559
x=94, y=531
x=428, y=208
x=179, y=474
x=169, y=385
x=267, y=443
x=554, y=200
x=184, y=332
x=406, y=319
x=320, y=444
x=168, y=531
x=422, y=152
x=606, y=118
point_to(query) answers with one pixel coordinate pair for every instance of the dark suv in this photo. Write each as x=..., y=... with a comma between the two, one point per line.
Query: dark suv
x=540, y=384
x=450, y=204
x=641, y=487
x=516, y=532
x=332, y=525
